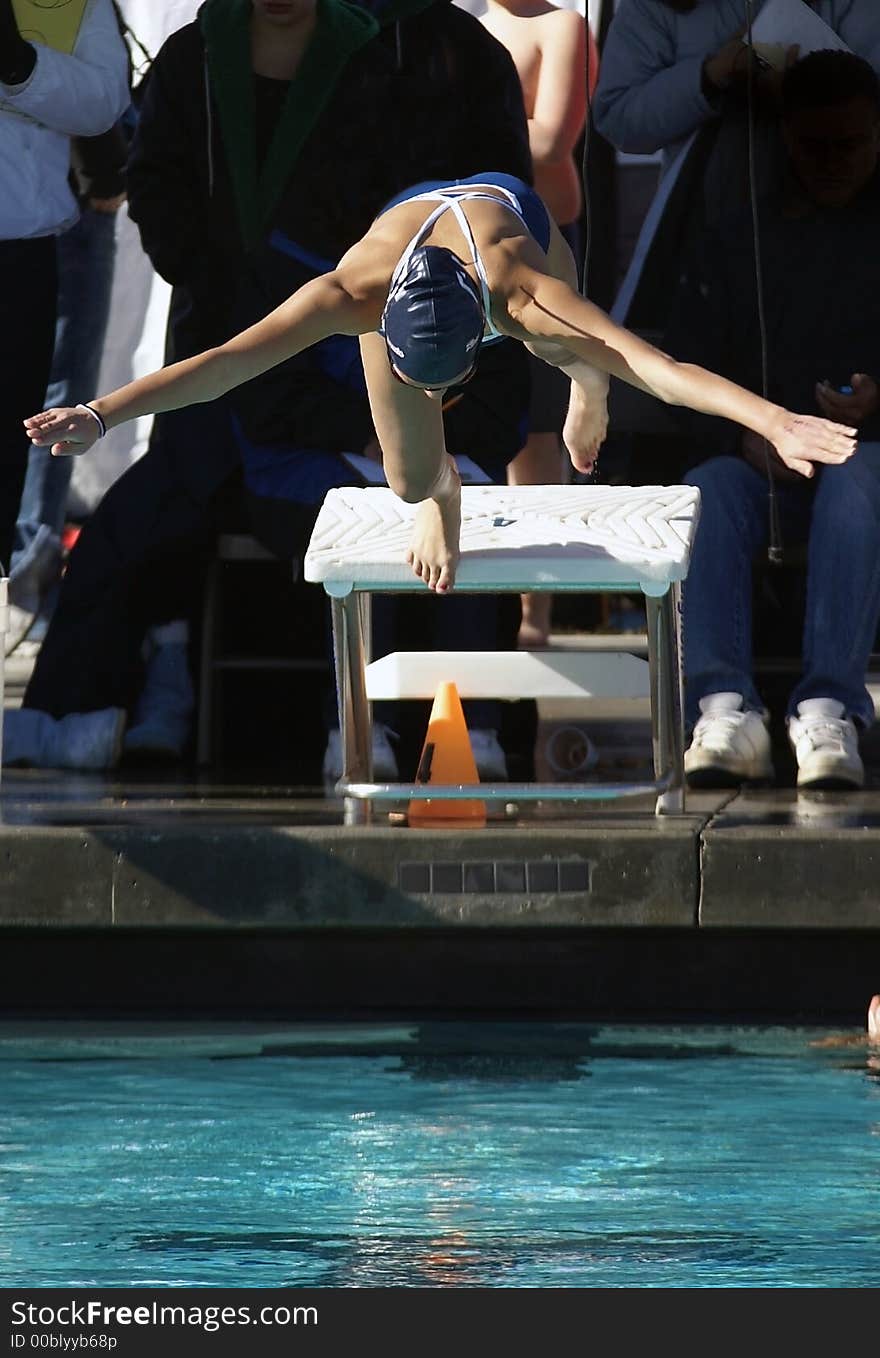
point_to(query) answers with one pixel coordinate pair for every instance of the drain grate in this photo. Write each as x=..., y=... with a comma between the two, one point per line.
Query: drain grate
x=495, y=877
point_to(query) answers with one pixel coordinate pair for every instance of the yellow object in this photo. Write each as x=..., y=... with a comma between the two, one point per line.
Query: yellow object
x=54, y=23
x=447, y=757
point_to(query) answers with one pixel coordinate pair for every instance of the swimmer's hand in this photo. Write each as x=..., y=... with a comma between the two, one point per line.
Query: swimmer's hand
x=68, y=432
x=801, y=440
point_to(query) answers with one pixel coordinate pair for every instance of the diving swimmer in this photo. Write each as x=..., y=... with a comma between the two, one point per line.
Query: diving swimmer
x=445, y=269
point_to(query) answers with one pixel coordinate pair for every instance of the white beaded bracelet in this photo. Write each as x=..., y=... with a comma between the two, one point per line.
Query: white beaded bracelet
x=84, y=405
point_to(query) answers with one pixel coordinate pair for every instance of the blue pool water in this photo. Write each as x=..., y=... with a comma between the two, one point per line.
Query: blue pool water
x=499, y=1155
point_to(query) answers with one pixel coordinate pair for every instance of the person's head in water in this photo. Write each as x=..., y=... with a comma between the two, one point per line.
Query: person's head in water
x=433, y=321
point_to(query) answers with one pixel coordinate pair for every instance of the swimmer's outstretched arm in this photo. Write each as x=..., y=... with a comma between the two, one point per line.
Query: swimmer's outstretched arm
x=591, y=383
x=329, y=305
x=546, y=308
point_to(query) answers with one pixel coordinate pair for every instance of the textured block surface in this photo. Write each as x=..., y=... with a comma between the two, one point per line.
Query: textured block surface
x=575, y=537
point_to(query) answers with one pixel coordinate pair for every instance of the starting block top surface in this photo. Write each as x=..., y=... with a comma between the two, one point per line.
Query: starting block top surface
x=513, y=538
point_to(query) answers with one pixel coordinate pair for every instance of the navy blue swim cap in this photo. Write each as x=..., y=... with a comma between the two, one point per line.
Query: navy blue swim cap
x=433, y=318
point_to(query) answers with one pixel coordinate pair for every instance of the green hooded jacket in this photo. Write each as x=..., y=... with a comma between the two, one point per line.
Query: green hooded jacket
x=341, y=30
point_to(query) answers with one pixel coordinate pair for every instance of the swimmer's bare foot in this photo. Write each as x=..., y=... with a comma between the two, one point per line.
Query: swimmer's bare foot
x=434, y=551
x=584, y=430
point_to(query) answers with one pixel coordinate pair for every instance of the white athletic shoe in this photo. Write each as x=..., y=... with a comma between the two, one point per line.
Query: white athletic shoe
x=826, y=745
x=81, y=740
x=729, y=745
x=162, y=719
x=385, y=768
x=489, y=757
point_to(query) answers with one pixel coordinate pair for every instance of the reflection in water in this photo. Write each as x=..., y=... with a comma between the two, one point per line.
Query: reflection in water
x=543, y=1053
x=501, y=1069
x=449, y=1154
x=455, y=1258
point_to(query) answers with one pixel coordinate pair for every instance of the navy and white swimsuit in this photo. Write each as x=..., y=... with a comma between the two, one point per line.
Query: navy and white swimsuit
x=304, y=475
x=512, y=193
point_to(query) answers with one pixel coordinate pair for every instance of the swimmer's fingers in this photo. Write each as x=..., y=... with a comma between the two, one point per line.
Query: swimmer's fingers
x=808, y=438
x=68, y=449
x=831, y=442
x=65, y=431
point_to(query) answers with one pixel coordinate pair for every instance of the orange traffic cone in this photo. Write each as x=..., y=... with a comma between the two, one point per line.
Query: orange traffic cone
x=447, y=757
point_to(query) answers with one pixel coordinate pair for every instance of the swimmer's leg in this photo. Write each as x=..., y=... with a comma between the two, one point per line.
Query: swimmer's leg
x=409, y=428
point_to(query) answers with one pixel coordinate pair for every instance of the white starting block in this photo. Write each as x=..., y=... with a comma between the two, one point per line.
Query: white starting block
x=561, y=539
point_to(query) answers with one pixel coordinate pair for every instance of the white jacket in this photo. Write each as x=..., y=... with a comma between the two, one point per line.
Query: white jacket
x=77, y=94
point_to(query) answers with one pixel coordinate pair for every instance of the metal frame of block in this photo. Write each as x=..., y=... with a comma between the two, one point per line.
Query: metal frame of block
x=553, y=539
x=351, y=629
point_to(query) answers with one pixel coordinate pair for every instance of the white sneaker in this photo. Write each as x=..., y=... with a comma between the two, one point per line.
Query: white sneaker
x=826, y=745
x=81, y=740
x=489, y=757
x=162, y=719
x=385, y=768
x=729, y=745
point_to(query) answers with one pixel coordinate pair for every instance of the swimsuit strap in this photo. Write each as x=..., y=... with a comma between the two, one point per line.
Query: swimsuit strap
x=450, y=199
x=459, y=191
x=464, y=224
x=416, y=240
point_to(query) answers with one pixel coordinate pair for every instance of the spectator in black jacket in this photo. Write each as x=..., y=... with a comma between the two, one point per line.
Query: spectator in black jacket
x=228, y=186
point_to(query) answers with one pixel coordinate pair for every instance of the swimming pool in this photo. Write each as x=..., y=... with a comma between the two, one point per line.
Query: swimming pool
x=432, y=1154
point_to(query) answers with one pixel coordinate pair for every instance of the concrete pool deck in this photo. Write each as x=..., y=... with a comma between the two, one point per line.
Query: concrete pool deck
x=139, y=893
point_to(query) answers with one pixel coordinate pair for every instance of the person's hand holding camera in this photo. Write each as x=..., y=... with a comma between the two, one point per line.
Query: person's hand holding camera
x=852, y=406
x=724, y=67
x=727, y=70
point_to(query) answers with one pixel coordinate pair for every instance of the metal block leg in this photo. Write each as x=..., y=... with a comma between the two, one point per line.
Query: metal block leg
x=355, y=721
x=667, y=729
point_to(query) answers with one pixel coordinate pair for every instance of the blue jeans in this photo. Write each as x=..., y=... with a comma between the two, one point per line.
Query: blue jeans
x=85, y=275
x=838, y=516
